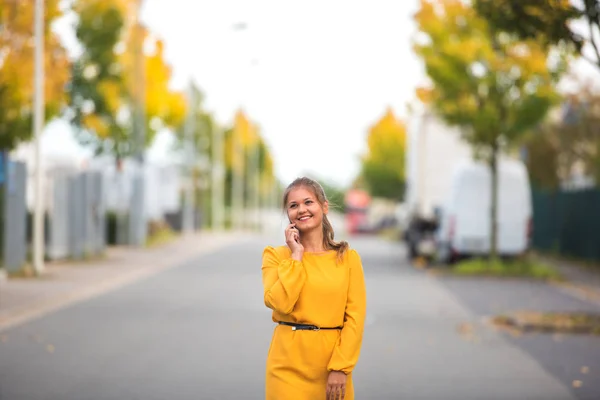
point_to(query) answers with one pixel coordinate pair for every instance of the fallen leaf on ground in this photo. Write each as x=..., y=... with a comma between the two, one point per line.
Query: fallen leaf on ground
x=515, y=333
x=465, y=328
x=551, y=322
x=467, y=332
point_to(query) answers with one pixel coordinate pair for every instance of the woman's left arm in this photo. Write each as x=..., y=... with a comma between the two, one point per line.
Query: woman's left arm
x=347, y=350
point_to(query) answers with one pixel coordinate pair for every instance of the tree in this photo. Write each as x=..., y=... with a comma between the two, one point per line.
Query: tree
x=17, y=69
x=106, y=84
x=542, y=157
x=548, y=21
x=97, y=91
x=266, y=166
x=251, y=144
x=195, y=140
x=164, y=107
x=257, y=161
x=383, y=165
x=570, y=144
x=335, y=194
x=492, y=86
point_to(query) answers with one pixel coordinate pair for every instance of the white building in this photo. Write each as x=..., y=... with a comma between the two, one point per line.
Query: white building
x=61, y=153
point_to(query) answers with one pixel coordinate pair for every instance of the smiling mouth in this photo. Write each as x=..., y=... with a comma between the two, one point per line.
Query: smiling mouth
x=305, y=218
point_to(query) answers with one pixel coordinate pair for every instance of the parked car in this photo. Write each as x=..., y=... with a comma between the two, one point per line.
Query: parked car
x=464, y=221
x=420, y=238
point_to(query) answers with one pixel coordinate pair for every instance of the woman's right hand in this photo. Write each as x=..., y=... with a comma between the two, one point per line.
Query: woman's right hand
x=292, y=239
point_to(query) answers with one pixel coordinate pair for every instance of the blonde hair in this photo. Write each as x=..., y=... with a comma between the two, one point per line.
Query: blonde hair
x=328, y=235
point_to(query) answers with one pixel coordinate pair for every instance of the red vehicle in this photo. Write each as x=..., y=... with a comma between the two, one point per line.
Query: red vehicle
x=356, y=205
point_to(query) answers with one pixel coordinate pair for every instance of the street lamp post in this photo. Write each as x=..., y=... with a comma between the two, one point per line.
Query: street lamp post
x=38, y=124
x=255, y=179
x=138, y=227
x=188, y=210
x=237, y=181
x=218, y=174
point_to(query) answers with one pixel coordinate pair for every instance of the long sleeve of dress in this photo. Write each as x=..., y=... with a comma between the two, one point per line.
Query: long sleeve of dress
x=347, y=350
x=283, y=279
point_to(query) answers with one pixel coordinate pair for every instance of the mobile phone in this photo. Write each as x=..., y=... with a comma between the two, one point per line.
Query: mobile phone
x=298, y=238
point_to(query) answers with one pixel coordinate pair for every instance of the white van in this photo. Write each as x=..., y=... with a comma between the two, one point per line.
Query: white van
x=464, y=228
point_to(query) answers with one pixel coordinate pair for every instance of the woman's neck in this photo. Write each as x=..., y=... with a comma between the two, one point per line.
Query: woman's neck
x=312, y=241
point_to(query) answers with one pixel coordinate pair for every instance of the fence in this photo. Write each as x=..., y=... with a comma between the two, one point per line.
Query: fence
x=567, y=223
x=74, y=222
x=14, y=213
x=76, y=215
x=77, y=206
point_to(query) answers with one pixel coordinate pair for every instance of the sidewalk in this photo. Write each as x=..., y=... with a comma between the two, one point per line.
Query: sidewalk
x=581, y=281
x=64, y=283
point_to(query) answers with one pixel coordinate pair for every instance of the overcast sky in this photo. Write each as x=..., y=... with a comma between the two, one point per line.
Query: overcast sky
x=313, y=74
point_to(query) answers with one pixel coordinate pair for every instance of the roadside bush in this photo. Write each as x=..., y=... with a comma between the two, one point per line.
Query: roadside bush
x=520, y=267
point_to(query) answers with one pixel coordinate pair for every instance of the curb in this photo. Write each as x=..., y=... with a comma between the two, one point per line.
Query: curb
x=584, y=293
x=579, y=291
x=523, y=327
x=514, y=322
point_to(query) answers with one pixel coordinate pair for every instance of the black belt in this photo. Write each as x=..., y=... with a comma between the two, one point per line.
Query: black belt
x=305, y=327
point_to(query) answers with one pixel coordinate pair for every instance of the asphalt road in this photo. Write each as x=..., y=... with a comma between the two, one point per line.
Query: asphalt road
x=201, y=331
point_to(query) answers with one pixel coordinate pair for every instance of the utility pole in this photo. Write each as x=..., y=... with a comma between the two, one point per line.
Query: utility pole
x=217, y=175
x=137, y=222
x=254, y=172
x=238, y=210
x=188, y=216
x=275, y=194
x=249, y=176
x=237, y=181
x=38, y=125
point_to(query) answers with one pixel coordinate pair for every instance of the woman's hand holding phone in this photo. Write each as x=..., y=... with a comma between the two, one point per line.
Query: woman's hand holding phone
x=292, y=239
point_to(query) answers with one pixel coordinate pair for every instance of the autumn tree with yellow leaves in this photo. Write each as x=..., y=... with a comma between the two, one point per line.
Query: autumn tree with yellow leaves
x=17, y=69
x=493, y=86
x=106, y=87
x=383, y=168
x=238, y=159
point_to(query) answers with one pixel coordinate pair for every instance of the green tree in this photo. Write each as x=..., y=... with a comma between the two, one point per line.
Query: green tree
x=335, y=194
x=195, y=139
x=203, y=126
x=492, y=86
x=383, y=165
x=107, y=86
x=97, y=89
x=549, y=22
x=571, y=142
x=17, y=69
x=542, y=157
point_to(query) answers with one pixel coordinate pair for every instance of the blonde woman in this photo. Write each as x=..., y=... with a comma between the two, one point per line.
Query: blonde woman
x=316, y=289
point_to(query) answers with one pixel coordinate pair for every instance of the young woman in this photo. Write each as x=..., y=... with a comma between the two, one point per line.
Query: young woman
x=316, y=289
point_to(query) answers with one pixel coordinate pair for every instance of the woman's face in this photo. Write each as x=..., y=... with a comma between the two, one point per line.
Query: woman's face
x=304, y=210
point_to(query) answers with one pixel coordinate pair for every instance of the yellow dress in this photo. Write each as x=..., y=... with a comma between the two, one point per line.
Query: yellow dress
x=317, y=291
